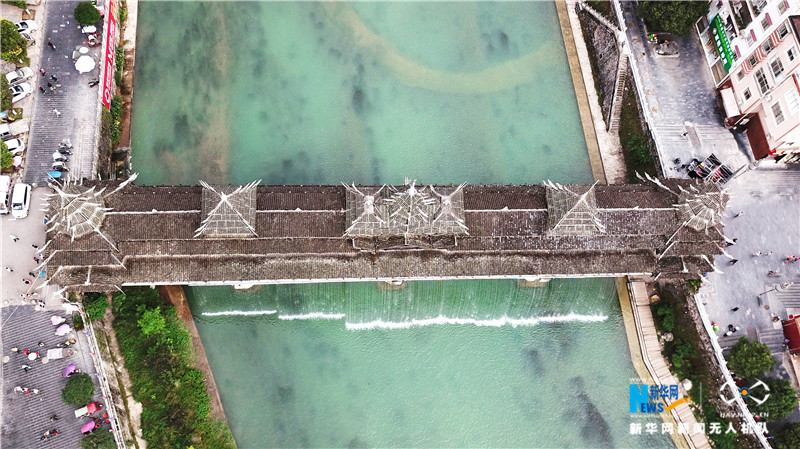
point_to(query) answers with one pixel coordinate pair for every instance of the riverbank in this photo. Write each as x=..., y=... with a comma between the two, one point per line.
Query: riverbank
x=175, y=295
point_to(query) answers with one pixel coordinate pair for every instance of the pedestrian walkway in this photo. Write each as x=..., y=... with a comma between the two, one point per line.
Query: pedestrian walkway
x=658, y=366
x=26, y=416
x=680, y=102
x=70, y=111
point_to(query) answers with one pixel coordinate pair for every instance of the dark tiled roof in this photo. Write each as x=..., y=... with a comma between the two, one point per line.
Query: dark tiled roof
x=508, y=236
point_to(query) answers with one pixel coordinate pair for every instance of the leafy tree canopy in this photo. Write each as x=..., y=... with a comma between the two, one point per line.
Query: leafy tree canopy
x=95, y=305
x=782, y=400
x=79, y=390
x=788, y=437
x=86, y=14
x=99, y=440
x=672, y=17
x=750, y=359
x=14, y=48
x=152, y=322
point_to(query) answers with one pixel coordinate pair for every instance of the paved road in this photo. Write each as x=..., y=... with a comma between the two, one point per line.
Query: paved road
x=680, y=98
x=27, y=416
x=74, y=99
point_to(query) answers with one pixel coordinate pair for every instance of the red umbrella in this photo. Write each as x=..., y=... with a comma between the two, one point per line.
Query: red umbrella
x=91, y=408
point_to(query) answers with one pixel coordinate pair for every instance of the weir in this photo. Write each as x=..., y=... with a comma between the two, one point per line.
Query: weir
x=104, y=235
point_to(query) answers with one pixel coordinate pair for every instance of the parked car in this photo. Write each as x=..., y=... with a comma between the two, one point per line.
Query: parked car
x=28, y=38
x=20, y=91
x=5, y=193
x=27, y=26
x=19, y=75
x=20, y=200
x=15, y=146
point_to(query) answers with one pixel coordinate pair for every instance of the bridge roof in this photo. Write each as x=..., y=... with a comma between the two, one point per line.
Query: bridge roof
x=299, y=235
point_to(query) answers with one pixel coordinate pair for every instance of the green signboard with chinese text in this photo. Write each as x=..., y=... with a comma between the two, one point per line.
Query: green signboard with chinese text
x=722, y=43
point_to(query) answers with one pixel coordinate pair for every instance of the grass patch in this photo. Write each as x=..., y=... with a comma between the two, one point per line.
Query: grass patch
x=635, y=147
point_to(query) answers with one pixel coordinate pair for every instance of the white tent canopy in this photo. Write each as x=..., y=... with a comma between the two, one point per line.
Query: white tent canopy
x=84, y=64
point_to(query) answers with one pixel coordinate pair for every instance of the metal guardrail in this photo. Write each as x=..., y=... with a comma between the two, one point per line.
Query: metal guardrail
x=103, y=379
x=729, y=382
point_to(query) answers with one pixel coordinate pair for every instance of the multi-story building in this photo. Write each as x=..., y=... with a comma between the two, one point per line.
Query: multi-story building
x=753, y=52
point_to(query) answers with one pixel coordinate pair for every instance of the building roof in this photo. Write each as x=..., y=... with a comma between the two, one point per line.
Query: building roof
x=228, y=211
x=572, y=210
x=300, y=233
x=791, y=331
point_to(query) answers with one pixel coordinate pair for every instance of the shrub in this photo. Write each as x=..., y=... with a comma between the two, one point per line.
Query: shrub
x=5, y=95
x=95, y=305
x=14, y=48
x=79, y=390
x=18, y=3
x=77, y=321
x=99, y=440
x=782, y=400
x=157, y=351
x=750, y=359
x=672, y=17
x=6, y=158
x=86, y=14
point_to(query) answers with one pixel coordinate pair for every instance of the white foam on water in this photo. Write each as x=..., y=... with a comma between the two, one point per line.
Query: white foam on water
x=313, y=316
x=497, y=322
x=240, y=313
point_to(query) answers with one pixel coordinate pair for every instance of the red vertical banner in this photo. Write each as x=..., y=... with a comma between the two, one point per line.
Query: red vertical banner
x=111, y=51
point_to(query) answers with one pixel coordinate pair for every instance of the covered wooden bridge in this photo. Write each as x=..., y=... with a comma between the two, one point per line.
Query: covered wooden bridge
x=104, y=235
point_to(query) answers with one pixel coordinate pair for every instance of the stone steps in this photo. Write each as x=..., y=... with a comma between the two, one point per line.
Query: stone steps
x=619, y=90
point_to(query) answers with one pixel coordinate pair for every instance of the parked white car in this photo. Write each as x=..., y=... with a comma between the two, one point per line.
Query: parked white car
x=20, y=200
x=15, y=146
x=27, y=26
x=19, y=75
x=20, y=91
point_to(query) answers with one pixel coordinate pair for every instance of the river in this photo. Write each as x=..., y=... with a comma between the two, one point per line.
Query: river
x=372, y=93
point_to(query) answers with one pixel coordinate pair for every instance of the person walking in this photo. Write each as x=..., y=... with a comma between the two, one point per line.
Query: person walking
x=41, y=89
x=54, y=77
x=26, y=282
x=9, y=269
x=50, y=44
x=733, y=262
x=735, y=309
x=757, y=254
x=739, y=214
x=42, y=71
x=13, y=237
x=58, y=114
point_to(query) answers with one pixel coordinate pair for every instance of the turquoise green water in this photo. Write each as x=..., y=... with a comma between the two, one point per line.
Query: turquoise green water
x=371, y=93
x=314, y=383
x=295, y=93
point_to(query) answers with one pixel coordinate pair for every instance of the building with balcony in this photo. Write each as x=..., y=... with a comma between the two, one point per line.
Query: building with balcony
x=752, y=51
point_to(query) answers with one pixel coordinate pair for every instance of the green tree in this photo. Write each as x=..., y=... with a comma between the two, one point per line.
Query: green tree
x=95, y=305
x=750, y=359
x=86, y=14
x=672, y=17
x=782, y=400
x=6, y=158
x=788, y=437
x=99, y=440
x=14, y=48
x=79, y=390
x=152, y=322
x=5, y=95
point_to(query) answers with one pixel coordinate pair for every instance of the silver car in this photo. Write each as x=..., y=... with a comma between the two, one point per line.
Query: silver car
x=19, y=75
